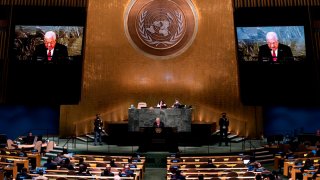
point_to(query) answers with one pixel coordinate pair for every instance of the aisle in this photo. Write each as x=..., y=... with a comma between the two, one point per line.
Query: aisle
x=155, y=174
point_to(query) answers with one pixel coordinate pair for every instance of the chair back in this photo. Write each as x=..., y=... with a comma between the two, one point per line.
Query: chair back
x=222, y=166
x=189, y=160
x=107, y=158
x=90, y=158
x=50, y=146
x=61, y=178
x=248, y=173
x=118, y=159
x=215, y=178
x=3, y=159
x=72, y=172
x=10, y=144
x=233, y=178
x=232, y=174
x=203, y=159
x=101, y=164
x=218, y=159
x=190, y=166
x=233, y=158
x=38, y=146
x=239, y=166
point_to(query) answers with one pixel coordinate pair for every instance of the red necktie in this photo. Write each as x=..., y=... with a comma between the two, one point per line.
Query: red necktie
x=274, y=56
x=49, y=55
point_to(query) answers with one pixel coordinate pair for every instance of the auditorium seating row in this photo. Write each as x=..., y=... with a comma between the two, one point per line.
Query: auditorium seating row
x=282, y=158
x=206, y=158
x=11, y=160
x=225, y=167
x=98, y=163
x=102, y=160
x=291, y=167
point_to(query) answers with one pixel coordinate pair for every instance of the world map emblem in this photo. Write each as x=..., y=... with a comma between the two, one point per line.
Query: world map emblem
x=161, y=29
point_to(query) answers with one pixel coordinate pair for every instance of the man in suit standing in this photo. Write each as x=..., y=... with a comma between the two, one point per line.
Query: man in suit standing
x=30, y=139
x=50, y=50
x=274, y=52
x=224, y=124
x=97, y=129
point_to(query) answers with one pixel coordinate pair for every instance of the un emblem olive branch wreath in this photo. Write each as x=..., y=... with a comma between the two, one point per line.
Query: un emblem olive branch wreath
x=148, y=39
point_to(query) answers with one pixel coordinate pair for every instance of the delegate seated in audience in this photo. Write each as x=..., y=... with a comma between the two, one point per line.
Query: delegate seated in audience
x=258, y=167
x=107, y=172
x=122, y=173
x=258, y=177
x=113, y=164
x=23, y=174
x=40, y=177
x=315, y=175
x=201, y=177
x=306, y=166
x=298, y=162
x=83, y=171
x=174, y=168
x=135, y=158
x=268, y=177
x=30, y=138
x=176, y=158
x=50, y=165
x=318, y=151
x=59, y=159
x=3, y=152
x=67, y=164
x=130, y=164
x=22, y=154
x=127, y=171
x=81, y=161
x=178, y=176
x=210, y=164
x=276, y=175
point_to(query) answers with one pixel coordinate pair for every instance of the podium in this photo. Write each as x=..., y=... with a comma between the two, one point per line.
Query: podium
x=158, y=139
x=179, y=118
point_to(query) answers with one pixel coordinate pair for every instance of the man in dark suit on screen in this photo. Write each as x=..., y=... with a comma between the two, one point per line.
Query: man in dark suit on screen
x=274, y=52
x=50, y=50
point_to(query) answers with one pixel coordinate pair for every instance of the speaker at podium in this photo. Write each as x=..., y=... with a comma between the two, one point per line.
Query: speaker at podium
x=158, y=139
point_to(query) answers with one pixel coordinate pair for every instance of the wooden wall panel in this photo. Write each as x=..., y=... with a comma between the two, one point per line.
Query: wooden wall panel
x=115, y=75
x=3, y=43
x=316, y=44
x=3, y=63
x=274, y=3
x=58, y=3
